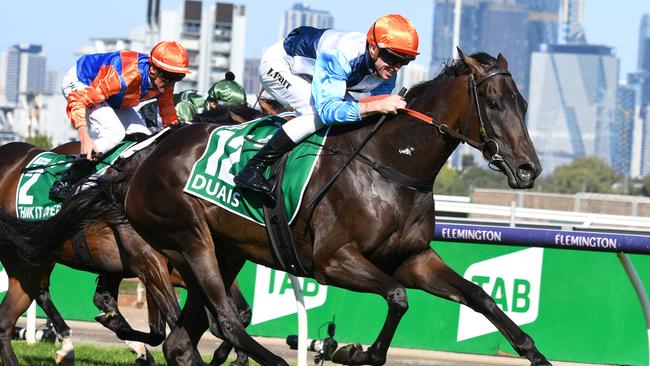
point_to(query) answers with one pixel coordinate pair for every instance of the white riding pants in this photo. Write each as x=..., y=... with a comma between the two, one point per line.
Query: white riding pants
x=291, y=90
x=107, y=126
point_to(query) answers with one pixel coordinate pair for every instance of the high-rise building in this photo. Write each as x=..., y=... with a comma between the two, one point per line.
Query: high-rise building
x=643, y=65
x=302, y=14
x=542, y=22
x=572, y=14
x=410, y=75
x=622, y=130
x=22, y=72
x=214, y=39
x=443, y=28
x=504, y=29
x=515, y=28
x=251, y=76
x=572, y=103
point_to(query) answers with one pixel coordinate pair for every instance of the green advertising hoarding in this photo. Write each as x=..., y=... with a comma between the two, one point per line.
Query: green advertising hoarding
x=577, y=305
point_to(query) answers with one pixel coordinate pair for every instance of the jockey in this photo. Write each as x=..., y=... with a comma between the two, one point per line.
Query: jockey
x=102, y=90
x=190, y=103
x=315, y=70
x=226, y=92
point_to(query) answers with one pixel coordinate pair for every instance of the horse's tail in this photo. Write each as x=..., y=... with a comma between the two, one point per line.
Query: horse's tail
x=36, y=241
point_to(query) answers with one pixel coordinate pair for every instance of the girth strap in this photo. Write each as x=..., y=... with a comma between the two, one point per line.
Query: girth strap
x=80, y=249
x=397, y=177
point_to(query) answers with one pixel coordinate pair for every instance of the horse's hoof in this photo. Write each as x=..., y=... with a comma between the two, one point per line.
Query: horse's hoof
x=345, y=354
x=540, y=362
x=105, y=317
x=64, y=359
x=239, y=362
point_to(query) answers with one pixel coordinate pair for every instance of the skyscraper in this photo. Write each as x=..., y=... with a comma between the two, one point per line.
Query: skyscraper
x=622, y=130
x=572, y=15
x=503, y=28
x=643, y=65
x=572, y=103
x=542, y=22
x=22, y=72
x=302, y=14
x=214, y=39
x=251, y=78
x=513, y=28
x=443, y=27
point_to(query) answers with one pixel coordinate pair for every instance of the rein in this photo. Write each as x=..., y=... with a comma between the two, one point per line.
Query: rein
x=391, y=174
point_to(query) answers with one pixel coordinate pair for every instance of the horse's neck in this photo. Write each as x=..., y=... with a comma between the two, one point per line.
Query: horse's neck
x=414, y=147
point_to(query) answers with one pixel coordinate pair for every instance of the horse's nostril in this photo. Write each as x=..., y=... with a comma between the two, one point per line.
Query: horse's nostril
x=526, y=172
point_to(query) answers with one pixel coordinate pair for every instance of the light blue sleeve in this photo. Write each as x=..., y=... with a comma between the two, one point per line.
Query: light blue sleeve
x=328, y=89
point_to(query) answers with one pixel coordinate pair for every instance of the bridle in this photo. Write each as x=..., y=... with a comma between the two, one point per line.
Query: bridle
x=484, y=144
x=488, y=147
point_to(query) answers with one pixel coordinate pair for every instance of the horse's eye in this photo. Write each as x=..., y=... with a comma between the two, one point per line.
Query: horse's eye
x=492, y=104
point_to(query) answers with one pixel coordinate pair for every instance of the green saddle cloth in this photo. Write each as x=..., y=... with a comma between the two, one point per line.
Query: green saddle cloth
x=228, y=150
x=32, y=196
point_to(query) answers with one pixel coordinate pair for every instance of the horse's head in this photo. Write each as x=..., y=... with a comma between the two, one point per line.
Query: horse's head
x=501, y=130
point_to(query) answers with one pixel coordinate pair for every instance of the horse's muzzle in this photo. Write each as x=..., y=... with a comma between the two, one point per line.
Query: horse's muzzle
x=523, y=177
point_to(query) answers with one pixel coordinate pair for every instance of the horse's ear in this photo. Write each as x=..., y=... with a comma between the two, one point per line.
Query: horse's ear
x=475, y=67
x=502, y=62
x=266, y=106
x=237, y=118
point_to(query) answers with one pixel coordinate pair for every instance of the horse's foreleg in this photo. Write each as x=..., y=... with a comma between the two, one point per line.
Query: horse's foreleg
x=66, y=353
x=427, y=271
x=180, y=346
x=351, y=270
x=244, y=313
x=205, y=273
x=105, y=299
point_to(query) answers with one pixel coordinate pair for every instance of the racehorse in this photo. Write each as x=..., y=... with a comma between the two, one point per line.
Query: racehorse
x=113, y=251
x=389, y=190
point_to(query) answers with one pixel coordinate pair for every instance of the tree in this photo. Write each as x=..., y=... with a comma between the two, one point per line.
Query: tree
x=41, y=141
x=447, y=181
x=477, y=177
x=467, y=161
x=588, y=174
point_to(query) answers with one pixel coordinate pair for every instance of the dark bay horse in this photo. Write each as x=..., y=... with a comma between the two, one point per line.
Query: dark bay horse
x=114, y=252
x=208, y=245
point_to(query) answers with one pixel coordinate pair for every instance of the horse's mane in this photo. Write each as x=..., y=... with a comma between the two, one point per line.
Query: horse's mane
x=452, y=69
x=222, y=115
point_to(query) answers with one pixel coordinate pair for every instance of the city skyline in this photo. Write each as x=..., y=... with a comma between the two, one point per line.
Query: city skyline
x=263, y=21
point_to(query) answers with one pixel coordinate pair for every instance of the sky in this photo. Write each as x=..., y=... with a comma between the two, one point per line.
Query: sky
x=63, y=27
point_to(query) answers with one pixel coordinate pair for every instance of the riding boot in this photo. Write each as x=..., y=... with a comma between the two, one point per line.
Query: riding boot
x=64, y=188
x=252, y=176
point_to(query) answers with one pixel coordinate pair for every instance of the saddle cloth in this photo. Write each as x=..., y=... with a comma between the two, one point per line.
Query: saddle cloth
x=228, y=150
x=32, y=196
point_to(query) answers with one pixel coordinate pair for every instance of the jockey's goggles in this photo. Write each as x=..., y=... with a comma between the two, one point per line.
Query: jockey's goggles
x=393, y=58
x=171, y=77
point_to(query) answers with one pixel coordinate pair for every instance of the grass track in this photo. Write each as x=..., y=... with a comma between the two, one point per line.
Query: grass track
x=42, y=354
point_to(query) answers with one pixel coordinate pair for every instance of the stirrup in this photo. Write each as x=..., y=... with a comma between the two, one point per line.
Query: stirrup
x=61, y=191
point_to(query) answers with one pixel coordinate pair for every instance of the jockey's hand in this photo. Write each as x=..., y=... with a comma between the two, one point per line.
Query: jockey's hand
x=88, y=147
x=388, y=105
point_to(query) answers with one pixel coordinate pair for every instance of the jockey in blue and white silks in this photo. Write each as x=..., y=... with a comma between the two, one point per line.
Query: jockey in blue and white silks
x=320, y=73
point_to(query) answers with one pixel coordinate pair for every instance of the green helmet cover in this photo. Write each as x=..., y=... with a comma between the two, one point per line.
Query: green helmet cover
x=227, y=92
x=186, y=111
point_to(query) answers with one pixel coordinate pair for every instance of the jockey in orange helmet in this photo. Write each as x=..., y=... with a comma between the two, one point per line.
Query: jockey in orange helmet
x=315, y=71
x=102, y=90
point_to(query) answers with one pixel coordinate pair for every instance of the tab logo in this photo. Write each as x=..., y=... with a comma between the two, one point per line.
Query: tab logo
x=4, y=280
x=513, y=281
x=274, y=296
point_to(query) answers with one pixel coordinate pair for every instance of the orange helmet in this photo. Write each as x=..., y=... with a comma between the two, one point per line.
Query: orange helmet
x=396, y=33
x=171, y=57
